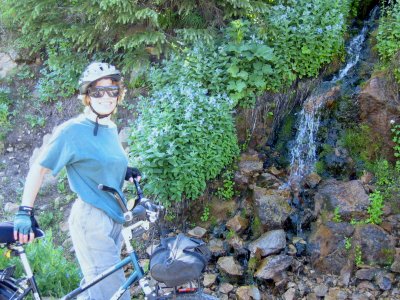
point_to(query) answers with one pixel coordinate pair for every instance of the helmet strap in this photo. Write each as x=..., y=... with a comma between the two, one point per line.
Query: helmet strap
x=99, y=116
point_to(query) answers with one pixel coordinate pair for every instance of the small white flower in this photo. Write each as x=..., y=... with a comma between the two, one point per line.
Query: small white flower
x=392, y=122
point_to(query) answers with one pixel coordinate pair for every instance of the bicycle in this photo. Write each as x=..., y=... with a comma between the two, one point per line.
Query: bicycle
x=16, y=289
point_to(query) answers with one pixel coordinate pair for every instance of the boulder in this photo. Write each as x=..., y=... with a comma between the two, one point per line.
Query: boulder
x=273, y=266
x=250, y=164
x=216, y=247
x=312, y=180
x=248, y=292
x=230, y=266
x=350, y=197
x=326, y=247
x=272, y=207
x=377, y=246
x=238, y=224
x=379, y=103
x=267, y=180
x=269, y=243
x=197, y=232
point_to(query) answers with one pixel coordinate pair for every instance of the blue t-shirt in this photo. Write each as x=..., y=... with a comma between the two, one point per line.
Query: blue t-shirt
x=89, y=160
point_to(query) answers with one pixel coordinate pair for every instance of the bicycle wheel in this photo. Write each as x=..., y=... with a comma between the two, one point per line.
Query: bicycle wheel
x=7, y=290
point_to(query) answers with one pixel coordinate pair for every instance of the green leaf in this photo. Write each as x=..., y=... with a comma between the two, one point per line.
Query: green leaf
x=233, y=70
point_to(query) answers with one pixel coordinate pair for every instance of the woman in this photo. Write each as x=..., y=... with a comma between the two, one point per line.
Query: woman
x=89, y=148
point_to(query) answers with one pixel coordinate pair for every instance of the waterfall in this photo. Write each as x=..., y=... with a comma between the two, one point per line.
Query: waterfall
x=303, y=153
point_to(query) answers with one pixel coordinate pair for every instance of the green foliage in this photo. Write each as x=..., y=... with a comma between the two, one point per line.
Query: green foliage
x=182, y=138
x=363, y=147
x=206, y=214
x=336, y=215
x=227, y=190
x=305, y=35
x=396, y=139
x=256, y=227
x=231, y=234
x=61, y=71
x=35, y=120
x=389, y=37
x=5, y=102
x=347, y=243
x=375, y=209
x=55, y=275
x=358, y=256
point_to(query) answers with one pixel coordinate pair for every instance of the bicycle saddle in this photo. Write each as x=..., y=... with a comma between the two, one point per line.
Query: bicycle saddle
x=7, y=233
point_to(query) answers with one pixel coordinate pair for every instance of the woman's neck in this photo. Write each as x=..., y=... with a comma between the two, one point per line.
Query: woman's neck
x=104, y=121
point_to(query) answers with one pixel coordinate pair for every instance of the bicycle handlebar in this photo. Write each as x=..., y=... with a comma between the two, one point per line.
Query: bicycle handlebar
x=142, y=206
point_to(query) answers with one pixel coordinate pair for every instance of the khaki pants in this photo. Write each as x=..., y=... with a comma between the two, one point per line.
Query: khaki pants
x=97, y=242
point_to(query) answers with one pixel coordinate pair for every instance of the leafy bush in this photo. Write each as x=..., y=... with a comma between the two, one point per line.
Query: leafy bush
x=305, y=35
x=389, y=36
x=375, y=209
x=55, y=275
x=183, y=137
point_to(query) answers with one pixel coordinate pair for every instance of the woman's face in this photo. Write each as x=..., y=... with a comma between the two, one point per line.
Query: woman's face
x=106, y=104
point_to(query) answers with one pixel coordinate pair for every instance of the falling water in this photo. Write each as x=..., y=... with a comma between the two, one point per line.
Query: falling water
x=303, y=153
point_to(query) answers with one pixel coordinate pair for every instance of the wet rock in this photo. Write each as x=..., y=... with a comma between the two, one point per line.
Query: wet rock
x=313, y=180
x=300, y=245
x=238, y=224
x=250, y=164
x=267, y=180
x=350, y=197
x=216, y=247
x=339, y=163
x=209, y=280
x=272, y=266
x=197, y=232
x=275, y=171
x=312, y=296
x=230, y=266
x=378, y=101
x=248, y=292
x=326, y=247
x=269, y=243
x=272, y=207
x=377, y=246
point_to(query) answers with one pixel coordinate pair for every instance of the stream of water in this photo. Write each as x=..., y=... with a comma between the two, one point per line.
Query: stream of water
x=303, y=153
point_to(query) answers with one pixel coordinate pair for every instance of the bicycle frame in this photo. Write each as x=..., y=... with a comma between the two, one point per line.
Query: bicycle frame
x=136, y=275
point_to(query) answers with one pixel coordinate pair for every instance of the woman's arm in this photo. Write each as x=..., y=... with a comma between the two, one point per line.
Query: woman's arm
x=22, y=220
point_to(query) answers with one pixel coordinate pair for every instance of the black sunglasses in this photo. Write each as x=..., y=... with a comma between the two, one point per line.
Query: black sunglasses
x=99, y=91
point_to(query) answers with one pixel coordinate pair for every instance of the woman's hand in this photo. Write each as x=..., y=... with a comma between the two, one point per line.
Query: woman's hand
x=23, y=227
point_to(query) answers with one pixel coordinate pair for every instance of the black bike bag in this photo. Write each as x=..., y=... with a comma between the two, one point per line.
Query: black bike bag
x=178, y=260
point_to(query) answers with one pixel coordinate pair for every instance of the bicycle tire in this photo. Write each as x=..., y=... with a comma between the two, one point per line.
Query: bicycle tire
x=7, y=290
x=195, y=296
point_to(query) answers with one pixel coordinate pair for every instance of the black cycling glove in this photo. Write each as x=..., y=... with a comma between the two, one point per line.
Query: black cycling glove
x=132, y=173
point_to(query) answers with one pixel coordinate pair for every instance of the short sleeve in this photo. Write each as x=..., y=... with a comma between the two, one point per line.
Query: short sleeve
x=58, y=152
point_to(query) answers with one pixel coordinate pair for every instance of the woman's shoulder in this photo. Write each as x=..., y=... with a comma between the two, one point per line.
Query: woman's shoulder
x=69, y=126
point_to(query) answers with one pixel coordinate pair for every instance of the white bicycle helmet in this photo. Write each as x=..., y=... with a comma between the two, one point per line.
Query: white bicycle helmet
x=96, y=71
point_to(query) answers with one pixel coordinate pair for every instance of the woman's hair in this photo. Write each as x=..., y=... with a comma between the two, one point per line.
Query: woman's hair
x=120, y=84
